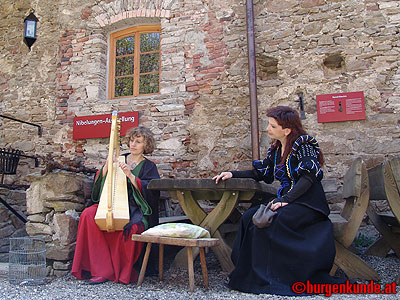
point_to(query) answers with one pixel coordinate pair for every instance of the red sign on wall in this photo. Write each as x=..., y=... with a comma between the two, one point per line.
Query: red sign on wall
x=340, y=107
x=99, y=126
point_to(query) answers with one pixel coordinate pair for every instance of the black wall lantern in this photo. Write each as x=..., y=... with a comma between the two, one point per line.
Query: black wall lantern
x=30, y=29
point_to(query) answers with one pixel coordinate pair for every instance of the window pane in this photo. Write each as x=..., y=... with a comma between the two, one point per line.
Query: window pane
x=123, y=87
x=124, y=66
x=125, y=45
x=149, y=62
x=148, y=84
x=149, y=41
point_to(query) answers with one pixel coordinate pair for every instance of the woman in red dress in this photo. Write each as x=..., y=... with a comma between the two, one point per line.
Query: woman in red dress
x=101, y=255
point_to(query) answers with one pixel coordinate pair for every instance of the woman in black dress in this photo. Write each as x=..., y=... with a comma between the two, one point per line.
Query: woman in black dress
x=299, y=245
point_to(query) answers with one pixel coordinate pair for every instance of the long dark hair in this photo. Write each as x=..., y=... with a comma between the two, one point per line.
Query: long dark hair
x=287, y=117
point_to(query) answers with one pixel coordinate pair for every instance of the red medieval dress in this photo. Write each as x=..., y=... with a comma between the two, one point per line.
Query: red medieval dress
x=112, y=255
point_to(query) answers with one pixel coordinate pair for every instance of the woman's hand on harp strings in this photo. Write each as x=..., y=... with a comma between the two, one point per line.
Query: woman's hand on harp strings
x=105, y=167
x=128, y=172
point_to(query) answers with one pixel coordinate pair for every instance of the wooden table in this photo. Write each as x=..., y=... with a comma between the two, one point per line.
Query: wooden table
x=225, y=193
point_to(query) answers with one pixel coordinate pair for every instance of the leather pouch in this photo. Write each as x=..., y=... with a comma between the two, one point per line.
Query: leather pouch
x=264, y=216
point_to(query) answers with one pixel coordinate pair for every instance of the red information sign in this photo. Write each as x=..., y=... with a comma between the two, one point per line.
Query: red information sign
x=99, y=126
x=341, y=107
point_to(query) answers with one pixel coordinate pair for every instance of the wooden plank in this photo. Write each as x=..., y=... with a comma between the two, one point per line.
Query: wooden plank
x=359, y=210
x=191, y=207
x=395, y=229
x=203, y=267
x=390, y=238
x=352, y=265
x=160, y=261
x=227, y=228
x=207, y=195
x=389, y=218
x=348, y=208
x=329, y=185
x=379, y=248
x=223, y=253
x=192, y=184
x=172, y=219
x=216, y=195
x=351, y=186
x=377, y=187
x=385, y=186
x=391, y=170
x=395, y=166
x=338, y=222
x=190, y=268
x=201, y=242
x=221, y=212
x=144, y=264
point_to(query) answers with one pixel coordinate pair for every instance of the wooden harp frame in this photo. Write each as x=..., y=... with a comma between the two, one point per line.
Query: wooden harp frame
x=113, y=210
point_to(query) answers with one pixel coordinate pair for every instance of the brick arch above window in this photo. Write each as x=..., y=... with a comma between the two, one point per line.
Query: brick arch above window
x=106, y=19
x=134, y=62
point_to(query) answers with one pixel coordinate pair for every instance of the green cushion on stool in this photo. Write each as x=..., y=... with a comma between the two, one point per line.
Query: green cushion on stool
x=178, y=230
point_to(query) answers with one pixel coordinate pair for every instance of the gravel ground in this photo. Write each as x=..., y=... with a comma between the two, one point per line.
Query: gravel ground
x=176, y=286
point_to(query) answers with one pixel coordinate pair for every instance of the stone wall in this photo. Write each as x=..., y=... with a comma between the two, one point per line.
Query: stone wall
x=201, y=117
x=54, y=203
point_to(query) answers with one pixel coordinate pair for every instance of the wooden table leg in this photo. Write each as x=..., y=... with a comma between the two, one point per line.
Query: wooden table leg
x=332, y=272
x=379, y=248
x=191, y=207
x=190, y=268
x=221, y=212
x=392, y=185
x=352, y=265
x=203, y=267
x=160, y=261
x=223, y=253
x=214, y=219
x=211, y=222
x=389, y=237
x=144, y=264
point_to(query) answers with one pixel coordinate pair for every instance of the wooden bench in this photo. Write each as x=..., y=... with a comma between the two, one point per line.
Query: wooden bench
x=188, y=243
x=386, y=186
x=347, y=223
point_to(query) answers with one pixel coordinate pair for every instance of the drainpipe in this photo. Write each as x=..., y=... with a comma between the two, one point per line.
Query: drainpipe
x=252, y=80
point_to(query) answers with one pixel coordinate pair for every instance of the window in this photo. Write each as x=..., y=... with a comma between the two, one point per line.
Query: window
x=134, y=62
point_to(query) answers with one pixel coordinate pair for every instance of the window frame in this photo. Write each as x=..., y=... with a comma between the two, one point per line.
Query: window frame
x=136, y=31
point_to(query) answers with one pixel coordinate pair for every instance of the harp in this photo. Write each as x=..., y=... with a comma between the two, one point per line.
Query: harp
x=113, y=210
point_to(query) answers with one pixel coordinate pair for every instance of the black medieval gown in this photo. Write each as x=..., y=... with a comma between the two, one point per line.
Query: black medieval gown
x=299, y=245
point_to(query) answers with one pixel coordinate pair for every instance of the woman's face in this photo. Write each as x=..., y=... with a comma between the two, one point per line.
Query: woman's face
x=275, y=131
x=136, y=145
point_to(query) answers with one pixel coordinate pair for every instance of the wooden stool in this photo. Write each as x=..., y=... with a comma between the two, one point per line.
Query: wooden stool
x=189, y=243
